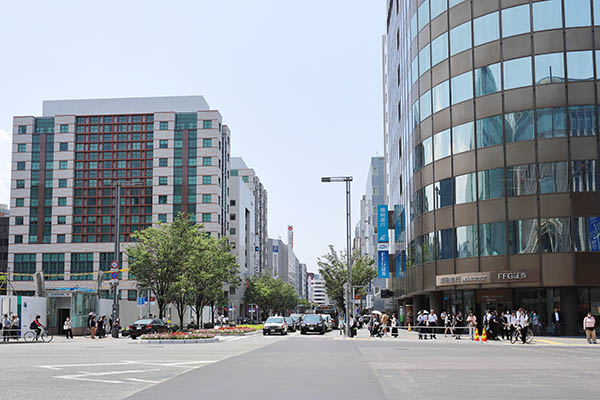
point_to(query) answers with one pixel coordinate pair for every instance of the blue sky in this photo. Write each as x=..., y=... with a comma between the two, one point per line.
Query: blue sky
x=298, y=83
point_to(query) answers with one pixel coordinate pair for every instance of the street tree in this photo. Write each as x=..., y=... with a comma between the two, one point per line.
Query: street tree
x=270, y=294
x=333, y=269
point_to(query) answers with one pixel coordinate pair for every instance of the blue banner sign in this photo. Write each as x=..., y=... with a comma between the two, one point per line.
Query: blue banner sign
x=382, y=223
x=400, y=265
x=594, y=232
x=383, y=264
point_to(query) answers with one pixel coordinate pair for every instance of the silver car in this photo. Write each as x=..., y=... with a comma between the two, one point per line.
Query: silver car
x=275, y=325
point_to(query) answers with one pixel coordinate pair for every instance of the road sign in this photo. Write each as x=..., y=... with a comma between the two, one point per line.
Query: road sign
x=114, y=275
x=114, y=264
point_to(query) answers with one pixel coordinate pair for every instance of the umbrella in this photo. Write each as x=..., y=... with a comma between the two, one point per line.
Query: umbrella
x=376, y=312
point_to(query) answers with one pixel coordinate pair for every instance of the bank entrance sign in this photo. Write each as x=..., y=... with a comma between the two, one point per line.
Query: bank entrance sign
x=482, y=278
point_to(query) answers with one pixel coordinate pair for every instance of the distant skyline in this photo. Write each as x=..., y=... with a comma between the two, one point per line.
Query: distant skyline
x=299, y=85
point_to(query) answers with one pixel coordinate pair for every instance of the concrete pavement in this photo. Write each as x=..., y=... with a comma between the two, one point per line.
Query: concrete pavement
x=301, y=367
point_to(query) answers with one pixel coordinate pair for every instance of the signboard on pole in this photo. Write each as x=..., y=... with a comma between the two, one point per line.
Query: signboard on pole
x=114, y=274
x=382, y=223
x=383, y=264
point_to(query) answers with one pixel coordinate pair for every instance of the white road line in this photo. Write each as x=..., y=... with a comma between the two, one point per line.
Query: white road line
x=59, y=367
x=142, y=380
x=89, y=376
x=183, y=364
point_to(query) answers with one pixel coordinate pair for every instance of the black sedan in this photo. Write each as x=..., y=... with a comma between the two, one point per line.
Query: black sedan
x=313, y=323
x=143, y=326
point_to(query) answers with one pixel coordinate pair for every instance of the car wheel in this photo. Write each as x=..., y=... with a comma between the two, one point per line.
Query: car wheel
x=302, y=333
x=264, y=333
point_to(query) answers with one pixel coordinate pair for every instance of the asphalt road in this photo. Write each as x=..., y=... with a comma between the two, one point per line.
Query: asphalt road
x=316, y=367
x=301, y=367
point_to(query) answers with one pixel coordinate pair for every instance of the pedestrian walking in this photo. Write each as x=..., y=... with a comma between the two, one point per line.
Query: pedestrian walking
x=422, y=322
x=536, y=324
x=15, y=325
x=457, y=323
x=394, y=326
x=589, y=326
x=472, y=324
x=556, y=322
x=5, y=326
x=504, y=326
x=385, y=322
x=68, y=328
x=447, y=317
x=92, y=326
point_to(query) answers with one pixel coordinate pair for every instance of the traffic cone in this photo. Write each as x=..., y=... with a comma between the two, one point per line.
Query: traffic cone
x=483, y=336
x=476, y=335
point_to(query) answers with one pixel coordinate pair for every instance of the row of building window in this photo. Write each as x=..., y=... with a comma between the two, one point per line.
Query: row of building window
x=53, y=266
x=549, y=68
x=551, y=235
x=547, y=14
x=514, y=127
x=521, y=180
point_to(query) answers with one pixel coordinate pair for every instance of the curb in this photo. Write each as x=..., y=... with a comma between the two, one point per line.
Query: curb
x=188, y=341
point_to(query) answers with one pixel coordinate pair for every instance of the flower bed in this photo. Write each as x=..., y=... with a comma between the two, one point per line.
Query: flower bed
x=229, y=330
x=178, y=336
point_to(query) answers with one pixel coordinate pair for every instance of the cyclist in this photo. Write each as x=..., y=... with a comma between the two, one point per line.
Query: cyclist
x=523, y=321
x=37, y=326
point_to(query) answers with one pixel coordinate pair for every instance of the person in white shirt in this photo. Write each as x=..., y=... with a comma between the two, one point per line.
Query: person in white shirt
x=421, y=323
x=433, y=320
x=523, y=321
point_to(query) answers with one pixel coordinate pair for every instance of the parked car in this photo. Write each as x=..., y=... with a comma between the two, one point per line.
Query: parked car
x=291, y=324
x=143, y=326
x=275, y=325
x=313, y=323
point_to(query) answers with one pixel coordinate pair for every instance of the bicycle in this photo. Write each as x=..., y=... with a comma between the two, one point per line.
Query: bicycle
x=516, y=335
x=31, y=335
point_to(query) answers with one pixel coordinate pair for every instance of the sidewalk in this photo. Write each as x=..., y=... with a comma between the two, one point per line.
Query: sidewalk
x=404, y=335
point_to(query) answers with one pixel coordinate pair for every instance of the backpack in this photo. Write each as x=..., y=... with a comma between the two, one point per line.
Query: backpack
x=33, y=325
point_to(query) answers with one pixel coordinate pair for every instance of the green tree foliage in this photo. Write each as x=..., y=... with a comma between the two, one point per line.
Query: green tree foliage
x=182, y=264
x=332, y=267
x=271, y=294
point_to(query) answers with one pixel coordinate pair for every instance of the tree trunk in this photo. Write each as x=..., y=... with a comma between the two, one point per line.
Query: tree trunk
x=212, y=312
x=180, y=306
x=161, y=307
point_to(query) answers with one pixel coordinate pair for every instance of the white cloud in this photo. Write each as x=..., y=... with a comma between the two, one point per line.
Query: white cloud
x=5, y=169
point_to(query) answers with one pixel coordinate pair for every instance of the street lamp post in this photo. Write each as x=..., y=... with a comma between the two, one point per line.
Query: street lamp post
x=115, y=283
x=347, y=180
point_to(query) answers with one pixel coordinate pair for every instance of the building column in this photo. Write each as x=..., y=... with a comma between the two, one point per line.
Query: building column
x=418, y=305
x=435, y=302
x=568, y=310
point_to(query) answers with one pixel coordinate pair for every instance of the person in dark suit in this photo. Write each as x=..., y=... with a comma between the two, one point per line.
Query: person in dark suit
x=556, y=322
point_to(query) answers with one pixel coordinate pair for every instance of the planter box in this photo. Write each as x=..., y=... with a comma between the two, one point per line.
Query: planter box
x=176, y=341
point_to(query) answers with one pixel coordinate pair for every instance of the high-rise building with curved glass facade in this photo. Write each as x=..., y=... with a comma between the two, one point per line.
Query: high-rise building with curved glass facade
x=492, y=149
